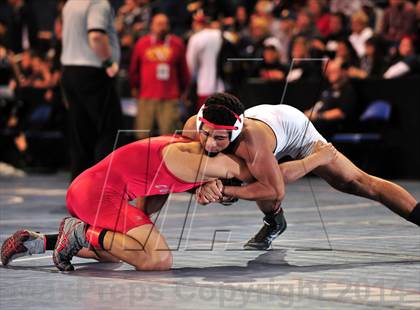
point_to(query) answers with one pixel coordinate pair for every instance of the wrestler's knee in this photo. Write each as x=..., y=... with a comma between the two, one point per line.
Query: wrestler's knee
x=164, y=260
x=278, y=193
x=159, y=261
x=267, y=206
x=360, y=184
x=281, y=193
x=108, y=259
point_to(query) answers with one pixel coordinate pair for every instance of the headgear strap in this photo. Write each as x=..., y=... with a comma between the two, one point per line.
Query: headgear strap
x=236, y=128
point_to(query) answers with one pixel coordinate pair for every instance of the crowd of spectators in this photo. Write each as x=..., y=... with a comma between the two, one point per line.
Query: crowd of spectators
x=276, y=40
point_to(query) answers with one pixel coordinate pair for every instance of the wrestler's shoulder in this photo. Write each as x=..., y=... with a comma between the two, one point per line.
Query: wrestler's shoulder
x=253, y=131
x=252, y=139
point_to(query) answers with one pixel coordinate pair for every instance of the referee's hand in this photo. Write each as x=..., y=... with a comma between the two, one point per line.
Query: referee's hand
x=112, y=70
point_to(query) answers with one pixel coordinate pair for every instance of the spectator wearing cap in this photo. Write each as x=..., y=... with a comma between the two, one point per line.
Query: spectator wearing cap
x=159, y=77
x=287, y=23
x=271, y=68
x=361, y=32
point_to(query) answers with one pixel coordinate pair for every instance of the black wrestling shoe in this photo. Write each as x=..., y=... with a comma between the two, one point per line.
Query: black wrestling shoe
x=274, y=225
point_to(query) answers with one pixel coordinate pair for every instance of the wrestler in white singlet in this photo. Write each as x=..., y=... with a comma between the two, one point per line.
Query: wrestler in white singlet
x=295, y=134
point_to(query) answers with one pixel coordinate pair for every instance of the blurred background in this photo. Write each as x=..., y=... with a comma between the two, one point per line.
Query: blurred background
x=353, y=66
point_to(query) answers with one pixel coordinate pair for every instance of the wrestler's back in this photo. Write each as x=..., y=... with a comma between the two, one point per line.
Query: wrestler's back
x=138, y=169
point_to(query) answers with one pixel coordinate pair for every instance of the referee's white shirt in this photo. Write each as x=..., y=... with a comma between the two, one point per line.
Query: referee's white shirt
x=80, y=17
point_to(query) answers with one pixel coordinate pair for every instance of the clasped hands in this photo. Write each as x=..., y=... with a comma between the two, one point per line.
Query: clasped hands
x=211, y=192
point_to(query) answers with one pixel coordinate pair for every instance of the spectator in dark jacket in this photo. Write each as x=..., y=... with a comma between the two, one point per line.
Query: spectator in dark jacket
x=337, y=103
x=271, y=68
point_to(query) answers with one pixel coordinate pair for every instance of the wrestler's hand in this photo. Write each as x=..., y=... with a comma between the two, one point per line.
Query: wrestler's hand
x=209, y=192
x=326, y=152
x=200, y=198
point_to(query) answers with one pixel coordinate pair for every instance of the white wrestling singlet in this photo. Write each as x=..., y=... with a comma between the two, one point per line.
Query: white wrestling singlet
x=295, y=134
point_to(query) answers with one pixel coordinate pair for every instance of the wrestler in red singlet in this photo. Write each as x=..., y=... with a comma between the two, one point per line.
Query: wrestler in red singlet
x=100, y=195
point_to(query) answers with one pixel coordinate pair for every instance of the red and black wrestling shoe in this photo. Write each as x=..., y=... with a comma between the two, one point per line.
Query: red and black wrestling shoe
x=19, y=244
x=71, y=239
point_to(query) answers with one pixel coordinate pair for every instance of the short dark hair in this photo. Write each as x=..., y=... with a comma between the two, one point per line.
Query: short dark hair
x=219, y=108
x=342, y=18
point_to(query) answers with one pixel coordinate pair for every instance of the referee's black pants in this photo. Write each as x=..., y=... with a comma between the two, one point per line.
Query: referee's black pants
x=94, y=115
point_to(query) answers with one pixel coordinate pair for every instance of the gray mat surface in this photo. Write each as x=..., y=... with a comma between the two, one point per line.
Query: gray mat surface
x=374, y=261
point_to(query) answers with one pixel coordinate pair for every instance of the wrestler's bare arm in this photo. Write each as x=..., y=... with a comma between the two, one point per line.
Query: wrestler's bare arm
x=322, y=154
x=291, y=171
x=190, y=131
x=187, y=162
x=258, y=156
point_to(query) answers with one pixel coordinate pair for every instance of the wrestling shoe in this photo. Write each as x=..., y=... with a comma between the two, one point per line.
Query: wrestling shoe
x=71, y=239
x=22, y=242
x=273, y=226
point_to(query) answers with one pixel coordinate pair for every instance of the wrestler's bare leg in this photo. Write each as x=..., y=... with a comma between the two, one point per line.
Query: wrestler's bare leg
x=142, y=247
x=149, y=205
x=344, y=176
